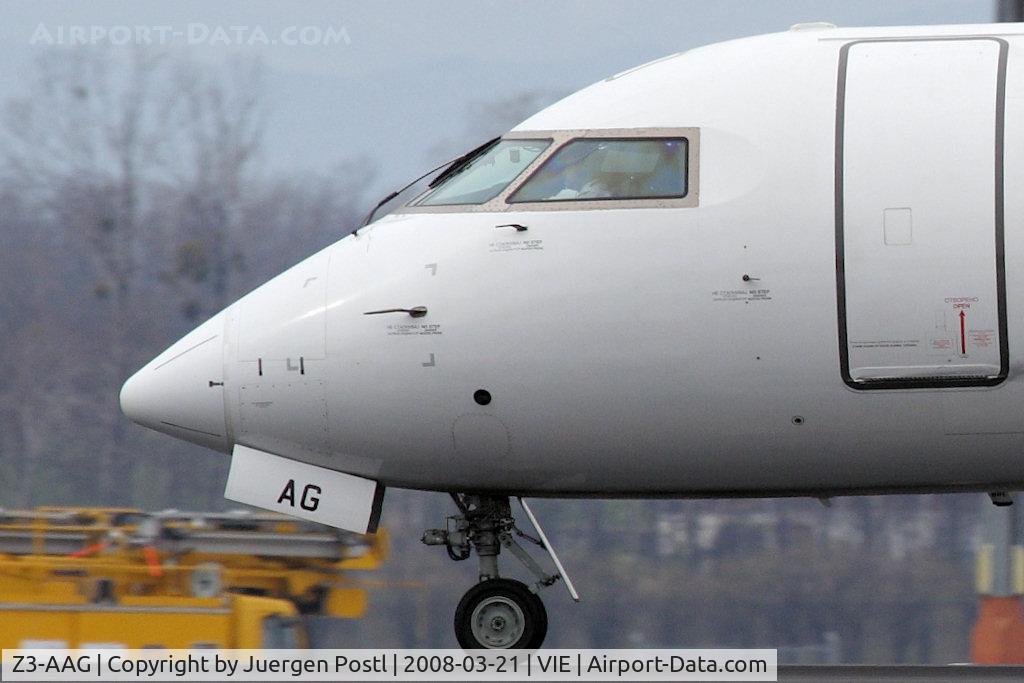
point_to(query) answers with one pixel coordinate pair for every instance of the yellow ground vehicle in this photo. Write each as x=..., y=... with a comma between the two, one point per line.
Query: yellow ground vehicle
x=119, y=577
x=232, y=621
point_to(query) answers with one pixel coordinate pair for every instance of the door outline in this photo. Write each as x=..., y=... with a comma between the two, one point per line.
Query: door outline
x=844, y=350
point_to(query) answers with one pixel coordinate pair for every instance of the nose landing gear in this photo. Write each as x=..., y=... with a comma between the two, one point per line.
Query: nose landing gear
x=497, y=612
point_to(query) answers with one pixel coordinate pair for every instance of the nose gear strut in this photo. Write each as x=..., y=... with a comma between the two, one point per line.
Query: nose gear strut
x=497, y=613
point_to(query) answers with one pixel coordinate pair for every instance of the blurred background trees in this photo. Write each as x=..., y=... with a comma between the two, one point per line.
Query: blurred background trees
x=133, y=208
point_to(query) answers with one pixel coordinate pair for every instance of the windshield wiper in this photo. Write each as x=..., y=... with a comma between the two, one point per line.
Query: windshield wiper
x=369, y=216
x=451, y=167
x=460, y=164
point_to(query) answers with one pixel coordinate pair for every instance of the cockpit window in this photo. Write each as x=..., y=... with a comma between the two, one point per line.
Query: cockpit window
x=484, y=177
x=591, y=168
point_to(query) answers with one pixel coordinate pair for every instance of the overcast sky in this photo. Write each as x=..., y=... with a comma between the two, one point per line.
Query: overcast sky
x=399, y=77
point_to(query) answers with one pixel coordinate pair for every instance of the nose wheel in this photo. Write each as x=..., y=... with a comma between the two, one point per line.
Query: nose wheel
x=497, y=613
x=500, y=614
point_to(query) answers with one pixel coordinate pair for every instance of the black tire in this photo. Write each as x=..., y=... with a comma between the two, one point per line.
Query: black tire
x=507, y=615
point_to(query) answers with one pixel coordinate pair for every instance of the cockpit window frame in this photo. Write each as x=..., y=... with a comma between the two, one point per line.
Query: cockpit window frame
x=560, y=138
x=512, y=198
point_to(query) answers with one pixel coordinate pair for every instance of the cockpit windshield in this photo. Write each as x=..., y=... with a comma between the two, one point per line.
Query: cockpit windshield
x=609, y=169
x=484, y=177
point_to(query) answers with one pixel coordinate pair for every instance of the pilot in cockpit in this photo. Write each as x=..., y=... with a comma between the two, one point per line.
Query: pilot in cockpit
x=646, y=168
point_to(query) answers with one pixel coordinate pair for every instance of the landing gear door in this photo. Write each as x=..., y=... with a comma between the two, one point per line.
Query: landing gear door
x=305, y=491
x=919, y=221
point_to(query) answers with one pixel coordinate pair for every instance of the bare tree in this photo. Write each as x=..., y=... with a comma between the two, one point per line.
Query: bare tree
x=219, y=127
x=97, y=144
x=84, y=142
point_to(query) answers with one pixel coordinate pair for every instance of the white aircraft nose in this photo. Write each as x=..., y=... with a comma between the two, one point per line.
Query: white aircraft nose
x=181, y=391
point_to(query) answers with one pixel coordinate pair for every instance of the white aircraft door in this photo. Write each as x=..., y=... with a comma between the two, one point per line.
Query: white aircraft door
x=919, y=213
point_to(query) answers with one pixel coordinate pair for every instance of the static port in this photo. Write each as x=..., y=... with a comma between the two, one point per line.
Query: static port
x=482, y=396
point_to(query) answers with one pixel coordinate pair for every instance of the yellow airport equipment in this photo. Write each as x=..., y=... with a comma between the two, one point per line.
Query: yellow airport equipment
x=231, y=621
x=173, y=579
